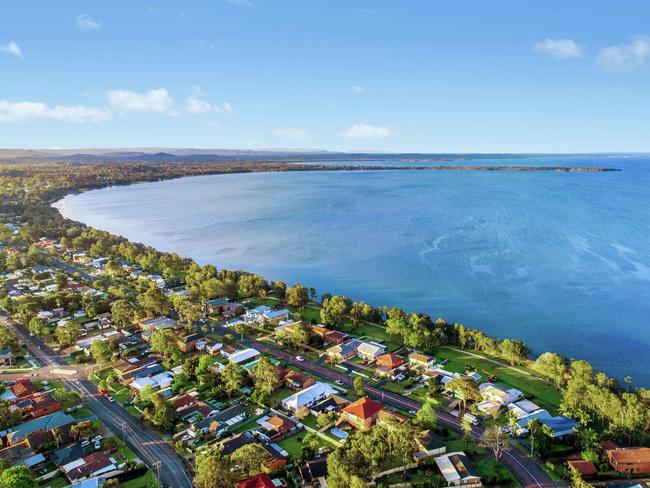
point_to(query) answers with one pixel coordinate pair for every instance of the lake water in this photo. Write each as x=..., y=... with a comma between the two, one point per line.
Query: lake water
x=559, y=260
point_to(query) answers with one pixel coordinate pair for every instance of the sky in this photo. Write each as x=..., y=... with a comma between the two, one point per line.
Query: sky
x=375, y=75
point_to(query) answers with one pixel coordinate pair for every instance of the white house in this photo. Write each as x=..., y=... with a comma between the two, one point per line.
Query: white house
x=458, y=470
x=499, y=394
x=307, y=397
x=370, y=350
x=243, y=356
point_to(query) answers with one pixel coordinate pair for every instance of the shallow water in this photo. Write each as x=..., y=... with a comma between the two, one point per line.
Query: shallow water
x=560, y=260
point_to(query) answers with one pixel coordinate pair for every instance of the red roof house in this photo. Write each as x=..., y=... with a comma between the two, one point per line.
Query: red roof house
x=261, y=480
x=361, y=414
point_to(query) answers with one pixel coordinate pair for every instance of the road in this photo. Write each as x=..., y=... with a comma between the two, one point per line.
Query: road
x=157, y=453
x=528, y=472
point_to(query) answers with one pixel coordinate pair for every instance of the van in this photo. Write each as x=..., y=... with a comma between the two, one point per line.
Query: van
x=470, y=418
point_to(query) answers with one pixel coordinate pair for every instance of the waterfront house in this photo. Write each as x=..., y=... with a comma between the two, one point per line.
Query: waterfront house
x=345, y=351
x=420, y=361
x=388, y=363
x=370, y=351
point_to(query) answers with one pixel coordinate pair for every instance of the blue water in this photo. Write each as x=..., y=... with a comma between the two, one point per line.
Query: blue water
x=559, y=260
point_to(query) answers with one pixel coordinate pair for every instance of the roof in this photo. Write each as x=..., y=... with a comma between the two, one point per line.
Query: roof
x=52, y=421
x=631, y=455
x=456, y=466
x=421, y=358
x=217, y=302
x=309, y=395
x=585, y=468
x=346, y=348
x=229, y=413
x=391, y=359
x=363, y=408
x=312, y=469
x=371, y=348
x=261, y=480
x=231, y=444
x=279, y=423
x=243, y=355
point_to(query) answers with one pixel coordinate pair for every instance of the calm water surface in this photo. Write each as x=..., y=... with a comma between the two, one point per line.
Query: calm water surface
x=561, y=261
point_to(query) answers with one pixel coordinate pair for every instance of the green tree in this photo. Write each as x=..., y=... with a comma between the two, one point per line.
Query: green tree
x=279, y=289
x=465, y=388
x=161, y=413
x=213, y=470
x=515, y=352
x=297, y=296
x=164, y=341
x=188, y=311
x=123, y=313
x=17, y=477
x=576, y=479
x=494, y=439
x=37, y=326
x=154, y=301
x=426, y=417
x=397, y=322
x=357, y=386
x=9, y=417
x=334, y=310
x=248, y=459
x=552, y=366
x=67, y=333
x=102, y=351
x=232, y=377
x=267, y=379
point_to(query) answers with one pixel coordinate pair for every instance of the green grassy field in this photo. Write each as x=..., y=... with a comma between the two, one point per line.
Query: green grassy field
x=545, y=394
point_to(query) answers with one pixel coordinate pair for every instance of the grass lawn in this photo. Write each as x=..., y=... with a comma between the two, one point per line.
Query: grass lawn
x=495, y=473
x=134, y=411
x=293, y=444
x=82, y=413
x=248, y=425
x=147, y=480
x=58, y=482
x=545, y=394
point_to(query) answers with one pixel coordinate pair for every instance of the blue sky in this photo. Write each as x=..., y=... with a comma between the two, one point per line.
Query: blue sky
x=437, y=76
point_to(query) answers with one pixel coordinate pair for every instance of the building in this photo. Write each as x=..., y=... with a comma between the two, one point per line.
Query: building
x=633, y=460
x=297, y=381
x=47, y=422
x=388, y=363
x=342, y=352
x=498, y=394
x=361, y=414
x=7, y=357
x=261, y=480
x=457, y=469
x=585, y=468
x=159, y=323
x=304, y=399
x=241, y=357
x=370, y=351
x=428, y=445
x=420, y=361
x=22, y=388
x=188, y=342
x=276, y=426
x=313, y=473
x=94, y=464
x=38, y=406
x=523, y=408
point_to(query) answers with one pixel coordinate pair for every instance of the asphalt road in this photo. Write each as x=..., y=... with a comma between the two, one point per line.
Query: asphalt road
x=153, y=450
x=528, y=472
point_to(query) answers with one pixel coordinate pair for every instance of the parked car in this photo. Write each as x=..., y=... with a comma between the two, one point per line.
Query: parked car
x=338, y=382
x=110, y=398
x=299, y=358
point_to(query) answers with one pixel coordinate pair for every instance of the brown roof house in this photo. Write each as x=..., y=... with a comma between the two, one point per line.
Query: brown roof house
x=633, y=460
x=361, y=414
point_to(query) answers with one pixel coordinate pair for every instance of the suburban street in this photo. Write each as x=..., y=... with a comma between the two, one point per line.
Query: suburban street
x=153, y=450
x=527, y=471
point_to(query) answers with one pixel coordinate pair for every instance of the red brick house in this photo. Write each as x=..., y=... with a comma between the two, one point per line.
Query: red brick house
x=388, y=363
x=261, y=480
x=297, y=381
x=39, y=406
x=633, y=460
x=22, y=388
x=361, y=414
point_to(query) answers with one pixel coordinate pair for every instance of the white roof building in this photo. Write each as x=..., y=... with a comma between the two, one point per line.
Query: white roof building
x=457, y=470
x=371, y=349
x=243, y=356
x=499, y=394
x=308, y=396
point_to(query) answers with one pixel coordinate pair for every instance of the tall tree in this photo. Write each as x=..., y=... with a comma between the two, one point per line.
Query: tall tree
x=297, y=296
x=233, y=377
x=465, y=388
x=334, y=310
x=213, y=470
x=493, y=438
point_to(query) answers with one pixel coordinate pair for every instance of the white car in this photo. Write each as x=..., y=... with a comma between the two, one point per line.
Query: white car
x=338, y=382
x=111, y=399
x=299, y=358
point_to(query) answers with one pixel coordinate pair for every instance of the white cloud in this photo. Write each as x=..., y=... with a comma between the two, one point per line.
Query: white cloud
x=11, y=48
x=194, y=105
x=85, y=23
x=157, y=100
x=559, y=48
x=624, y=58
x=24, y=111
x=291, y=133
x=366, y=131
x=358, y=88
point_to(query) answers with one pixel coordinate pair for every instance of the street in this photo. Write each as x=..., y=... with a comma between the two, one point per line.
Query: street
x=153, y=450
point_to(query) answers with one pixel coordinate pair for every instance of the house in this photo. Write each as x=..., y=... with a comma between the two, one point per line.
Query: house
x=161, y=380
x=558, y=426
x=361, y=414
x=388, y=363
x=23, y=387
x=420, y=361
x=457, y=470
x=585, y=468
x=633, y=460
x=256, y=314
x=48, y=422
x=276, y=315
x=523, y=408
x=94, y=464
x=499, y=394
x=214, y=348
x=313, y=473
x=304, y=399
x=342, y=352
x=222, y=306
x=261, y=480
x=333, y=403
x=7, y=357
x=370, y=351
x=276, y=426
x=297, y=381
x=329, y=336
x=274, y=459
x=219, y=423
x=38, y=406
x=188, y=342
x=428, y=445
x=241, y=357
x=151, y=325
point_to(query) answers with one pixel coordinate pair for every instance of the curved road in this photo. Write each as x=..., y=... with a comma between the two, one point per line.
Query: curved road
x=157, y=453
